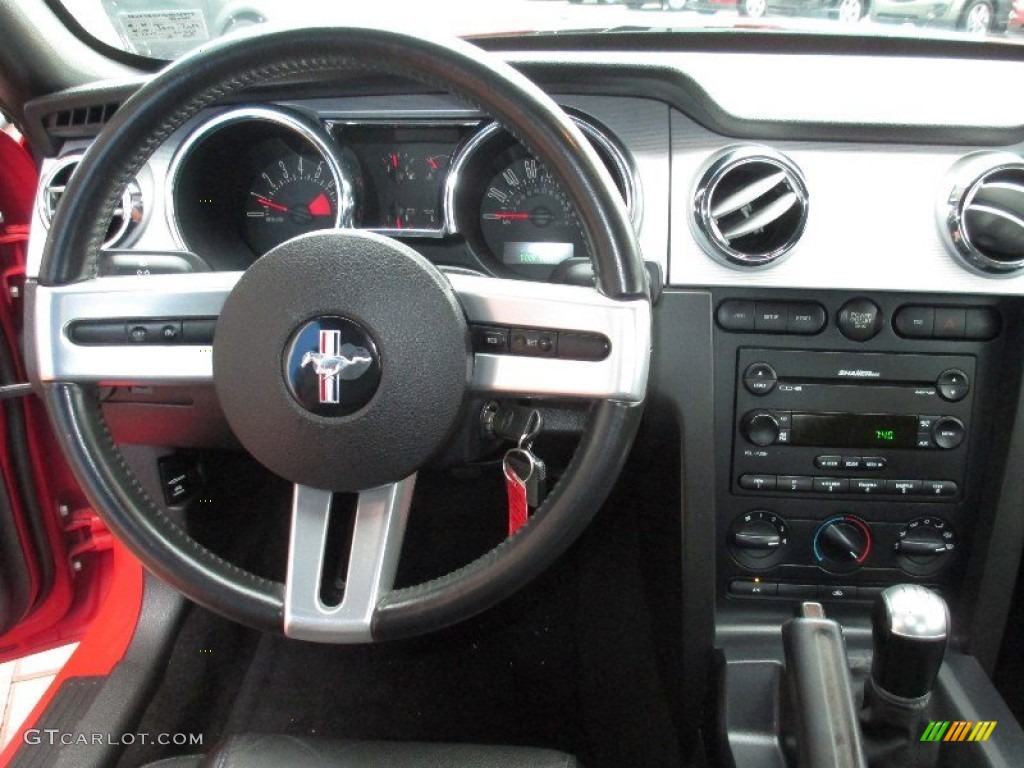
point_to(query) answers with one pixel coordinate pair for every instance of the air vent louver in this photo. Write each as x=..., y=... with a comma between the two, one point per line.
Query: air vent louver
x=126, y=216
x=749, y=207
x=80, y=121
x=982, y=218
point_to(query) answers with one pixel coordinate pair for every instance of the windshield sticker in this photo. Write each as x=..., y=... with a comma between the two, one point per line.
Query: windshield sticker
x=147, y=27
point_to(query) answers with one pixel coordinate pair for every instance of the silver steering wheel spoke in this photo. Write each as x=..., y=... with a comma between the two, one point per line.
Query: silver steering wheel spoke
x=380, y=521
x=558, y=309
x=134, y=301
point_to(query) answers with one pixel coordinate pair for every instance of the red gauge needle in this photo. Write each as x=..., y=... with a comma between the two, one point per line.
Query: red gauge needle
x=508, y=216
x=432, y=162
x=320, y=205
x=272, y=205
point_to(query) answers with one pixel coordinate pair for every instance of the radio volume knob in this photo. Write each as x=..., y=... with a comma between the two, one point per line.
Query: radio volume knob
x=761, y=427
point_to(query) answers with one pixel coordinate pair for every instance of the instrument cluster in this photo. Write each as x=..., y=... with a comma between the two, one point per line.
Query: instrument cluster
x=250, y=178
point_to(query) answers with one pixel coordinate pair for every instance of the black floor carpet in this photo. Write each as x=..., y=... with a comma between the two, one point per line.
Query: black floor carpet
x=581, y=660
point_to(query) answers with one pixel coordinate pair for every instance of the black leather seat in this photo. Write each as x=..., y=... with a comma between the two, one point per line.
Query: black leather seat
x=276, y=751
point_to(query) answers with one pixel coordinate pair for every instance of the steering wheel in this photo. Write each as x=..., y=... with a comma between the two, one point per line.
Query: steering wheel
x=406, y=326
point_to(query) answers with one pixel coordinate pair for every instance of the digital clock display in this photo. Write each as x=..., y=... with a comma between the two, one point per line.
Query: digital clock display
x=854, y=430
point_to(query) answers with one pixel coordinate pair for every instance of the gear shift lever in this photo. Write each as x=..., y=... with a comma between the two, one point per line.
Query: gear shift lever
x=910, y=626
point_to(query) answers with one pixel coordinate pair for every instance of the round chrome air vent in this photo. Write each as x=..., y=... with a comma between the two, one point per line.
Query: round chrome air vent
x=749, y=206
x=981, y=213
x=127, y=216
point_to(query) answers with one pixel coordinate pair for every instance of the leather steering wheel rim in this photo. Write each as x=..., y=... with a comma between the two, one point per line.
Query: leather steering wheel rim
x=199, y=80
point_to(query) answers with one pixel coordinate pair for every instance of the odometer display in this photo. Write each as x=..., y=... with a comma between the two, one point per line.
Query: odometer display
x=526, y=219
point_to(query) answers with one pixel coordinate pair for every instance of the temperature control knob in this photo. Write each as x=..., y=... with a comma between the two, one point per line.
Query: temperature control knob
x=924, y=545
x=842, y=543
x=761, y=427
x=757, y=538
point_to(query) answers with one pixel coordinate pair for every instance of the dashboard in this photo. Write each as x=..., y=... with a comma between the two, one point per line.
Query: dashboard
x=837, y=339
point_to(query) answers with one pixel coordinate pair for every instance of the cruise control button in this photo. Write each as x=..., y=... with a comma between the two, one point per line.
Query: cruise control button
x=828, y=462
x=198, y=331
x=950, y=323
x=953, y=385
x=915, y=322
x=903, y=487
x=757, y=482
x=831, y=485
x=872, y=463
x=488, y=338
x=770, y=317
x=531, y=343
x=938, y=488
x=97, y=332
x=806, y=319
x=797, y=483
x=137, y=334
x=867, y=486
x=859, y=319
x=736, y=315
x=583, y=346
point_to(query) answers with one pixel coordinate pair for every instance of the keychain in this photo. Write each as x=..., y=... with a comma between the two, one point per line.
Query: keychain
x=525, y=475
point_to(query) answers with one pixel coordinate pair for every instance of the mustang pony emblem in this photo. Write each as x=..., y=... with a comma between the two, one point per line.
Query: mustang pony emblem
x=336, y=361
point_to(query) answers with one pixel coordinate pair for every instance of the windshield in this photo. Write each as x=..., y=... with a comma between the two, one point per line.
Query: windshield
x=166, y=29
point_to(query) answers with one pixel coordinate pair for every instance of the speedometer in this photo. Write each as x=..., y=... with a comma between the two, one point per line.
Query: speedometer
x=526, y=218
x=516, y=218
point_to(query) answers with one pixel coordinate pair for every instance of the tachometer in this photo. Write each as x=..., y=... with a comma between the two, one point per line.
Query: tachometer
x=526, y=218
x=290, y=196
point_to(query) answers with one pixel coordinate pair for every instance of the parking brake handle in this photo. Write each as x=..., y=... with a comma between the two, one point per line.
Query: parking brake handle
x=821, y=713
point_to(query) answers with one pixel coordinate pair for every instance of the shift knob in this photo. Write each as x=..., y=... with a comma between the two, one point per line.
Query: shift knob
x=910, y=627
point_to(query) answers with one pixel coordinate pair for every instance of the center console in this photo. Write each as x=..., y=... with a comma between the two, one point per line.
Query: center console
x=853, y=440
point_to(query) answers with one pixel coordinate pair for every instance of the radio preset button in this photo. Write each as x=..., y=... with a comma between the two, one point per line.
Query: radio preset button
x=795, y=483
x=859, y=319
x=903, y=487
x=939, y=488
x=871, y=463
x=948, y=432
x=953, y=385
x=831, y=485
x=760, y=378
x=867, y=486
x=828, y=462
x=736, y=315
x=757, y=482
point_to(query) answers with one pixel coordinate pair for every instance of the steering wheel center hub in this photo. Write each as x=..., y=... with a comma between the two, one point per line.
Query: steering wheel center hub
x=341, y=360
x=331, y=366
